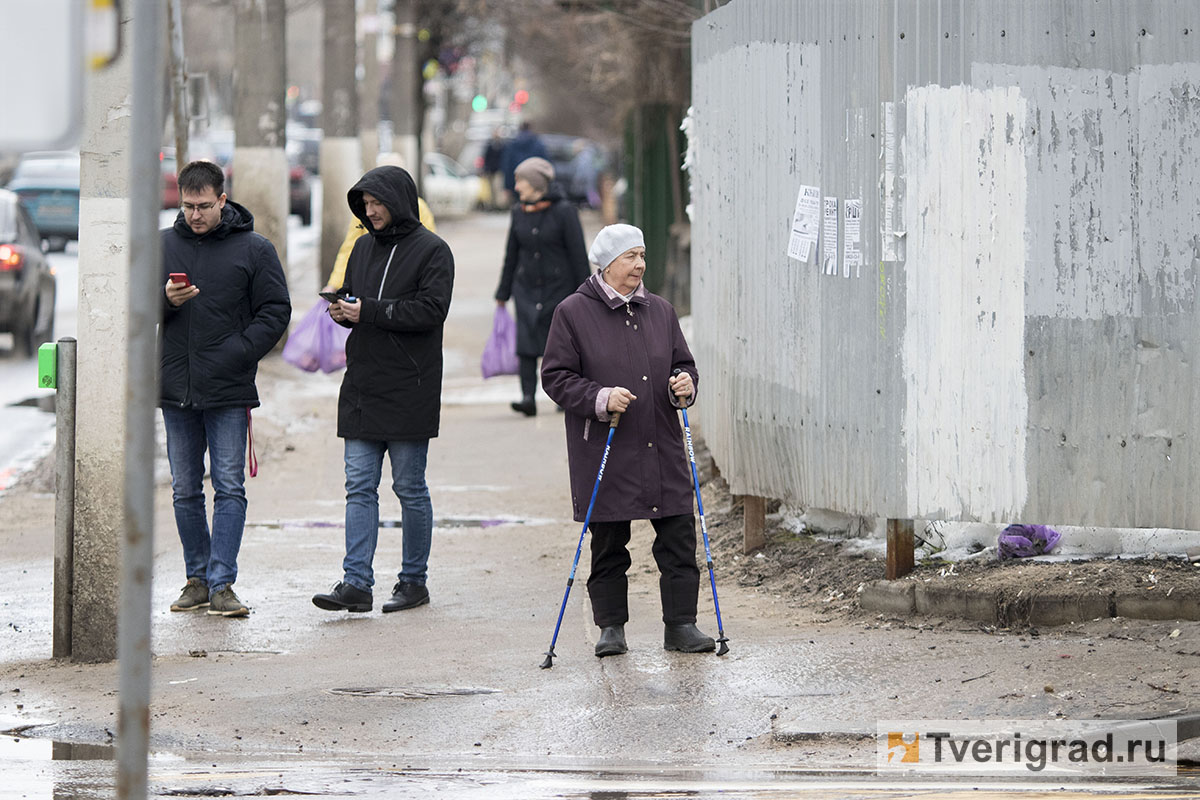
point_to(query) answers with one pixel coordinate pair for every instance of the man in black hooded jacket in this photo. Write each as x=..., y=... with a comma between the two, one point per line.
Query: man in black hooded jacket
x=225, y=306
x=395, y=298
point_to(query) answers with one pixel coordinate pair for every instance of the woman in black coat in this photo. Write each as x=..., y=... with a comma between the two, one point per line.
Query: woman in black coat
x=544, y=262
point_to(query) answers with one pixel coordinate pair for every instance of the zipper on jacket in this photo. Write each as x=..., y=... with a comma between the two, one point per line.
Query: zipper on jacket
x=386, y=267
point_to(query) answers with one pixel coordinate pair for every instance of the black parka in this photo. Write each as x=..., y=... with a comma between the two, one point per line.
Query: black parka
x=404, y=275
x=544, y=262
x=211, y=345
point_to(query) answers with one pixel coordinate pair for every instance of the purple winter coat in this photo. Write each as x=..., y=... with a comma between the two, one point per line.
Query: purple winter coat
x=595, y=342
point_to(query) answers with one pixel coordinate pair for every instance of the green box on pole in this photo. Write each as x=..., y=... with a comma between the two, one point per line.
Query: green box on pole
x=48, y=366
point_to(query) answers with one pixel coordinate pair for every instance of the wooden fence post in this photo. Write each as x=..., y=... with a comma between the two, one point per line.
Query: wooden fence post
x=899, y=548
x=755, y=514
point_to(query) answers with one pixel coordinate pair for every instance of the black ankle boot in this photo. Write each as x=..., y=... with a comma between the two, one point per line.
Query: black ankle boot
x=344, y=597
x=687, y=638
x=526, y=407
x=611, y=642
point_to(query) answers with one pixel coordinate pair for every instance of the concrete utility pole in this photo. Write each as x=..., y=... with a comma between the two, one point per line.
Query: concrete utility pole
x=341, y=156
x=406, y=122
x=181, y=118
x=260, y=168
x=368, y=98
x=141, y=394
x=103, y=346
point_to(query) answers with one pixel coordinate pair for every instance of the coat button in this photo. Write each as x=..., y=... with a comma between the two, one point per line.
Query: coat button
x=534, y=231
x=644, y=377
x=649, y=444
x=537, y=255
x=539, y=306
x=626, y=322
x=654, y=509
x=635, y=327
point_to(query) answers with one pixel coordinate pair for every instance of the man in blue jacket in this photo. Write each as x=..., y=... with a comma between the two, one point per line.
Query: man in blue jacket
x=225, y=306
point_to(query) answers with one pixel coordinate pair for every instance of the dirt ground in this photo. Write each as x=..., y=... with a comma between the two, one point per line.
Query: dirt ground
x=823, y=576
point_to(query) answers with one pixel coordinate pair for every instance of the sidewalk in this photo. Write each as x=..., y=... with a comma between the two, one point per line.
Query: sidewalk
x=457, y=683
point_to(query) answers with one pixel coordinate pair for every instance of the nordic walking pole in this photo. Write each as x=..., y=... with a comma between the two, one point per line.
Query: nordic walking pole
x=612, y=427
x=722, y=639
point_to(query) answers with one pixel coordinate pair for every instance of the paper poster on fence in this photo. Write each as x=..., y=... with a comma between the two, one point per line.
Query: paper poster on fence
x=829, y=236
x=851, y=238
x=805, y=222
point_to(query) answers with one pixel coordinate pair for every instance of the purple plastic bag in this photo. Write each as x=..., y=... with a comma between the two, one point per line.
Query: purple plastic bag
x=500, y=352
x=317, y=342
x=1022, y=541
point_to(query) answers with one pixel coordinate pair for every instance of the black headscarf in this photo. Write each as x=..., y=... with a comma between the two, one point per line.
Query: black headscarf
x=395, y=188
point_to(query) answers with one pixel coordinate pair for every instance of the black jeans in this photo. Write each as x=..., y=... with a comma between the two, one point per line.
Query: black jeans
x=675, y=552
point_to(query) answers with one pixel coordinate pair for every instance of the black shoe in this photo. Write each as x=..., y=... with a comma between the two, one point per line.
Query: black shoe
x=611, y=642
x=526, y=407
x=406, y=594
x=687, y=638
x=343, y=597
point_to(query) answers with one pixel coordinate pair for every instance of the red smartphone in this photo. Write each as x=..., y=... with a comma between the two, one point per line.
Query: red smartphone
x=179, y=277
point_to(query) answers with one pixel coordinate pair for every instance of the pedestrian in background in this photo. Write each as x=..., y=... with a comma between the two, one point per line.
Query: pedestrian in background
x=400, y=278
x=493, y=170
x=225, y=306
x=544, y=262
x=526, y=144
x=613, y=349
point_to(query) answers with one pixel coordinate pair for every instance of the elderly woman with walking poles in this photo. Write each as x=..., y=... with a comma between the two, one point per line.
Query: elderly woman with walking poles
x=614, y=348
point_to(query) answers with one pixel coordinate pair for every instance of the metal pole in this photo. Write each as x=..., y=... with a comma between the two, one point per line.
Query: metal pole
x=64, y=498
x=141, y=390
x=179, y=84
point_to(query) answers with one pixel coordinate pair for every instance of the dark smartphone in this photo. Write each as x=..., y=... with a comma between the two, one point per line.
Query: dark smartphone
x=330, y=296
x=179, y=277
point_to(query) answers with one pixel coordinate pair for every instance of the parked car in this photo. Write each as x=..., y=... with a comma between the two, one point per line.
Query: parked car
x=48, y=185
x=304, y=147
x=448, y=187
x=299, y=192
x=170, y=174
x=27, y=286
x=570, y=155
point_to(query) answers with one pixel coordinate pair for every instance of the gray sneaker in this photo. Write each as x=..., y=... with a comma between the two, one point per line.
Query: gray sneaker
x=226, y=604
x=194, y=596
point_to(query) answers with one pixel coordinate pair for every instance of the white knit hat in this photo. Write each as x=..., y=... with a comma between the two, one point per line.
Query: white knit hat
x=612, y=241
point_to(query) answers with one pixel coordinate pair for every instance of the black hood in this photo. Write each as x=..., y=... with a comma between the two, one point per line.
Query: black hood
x=395, y=188
x=235, y=218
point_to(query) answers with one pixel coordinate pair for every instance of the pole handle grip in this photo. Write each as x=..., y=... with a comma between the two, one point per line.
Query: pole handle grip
x=615, y=420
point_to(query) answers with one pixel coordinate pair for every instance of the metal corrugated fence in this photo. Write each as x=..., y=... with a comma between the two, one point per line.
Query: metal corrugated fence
x=1013, y=337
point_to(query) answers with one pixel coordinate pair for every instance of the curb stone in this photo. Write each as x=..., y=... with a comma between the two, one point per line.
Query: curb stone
x=909, y=598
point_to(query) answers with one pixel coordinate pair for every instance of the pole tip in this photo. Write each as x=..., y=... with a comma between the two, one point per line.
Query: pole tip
x=722, y=646
x=549, y=662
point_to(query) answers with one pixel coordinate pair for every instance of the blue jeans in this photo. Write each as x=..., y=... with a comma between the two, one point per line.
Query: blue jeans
x=364, y=468
x=222, y=432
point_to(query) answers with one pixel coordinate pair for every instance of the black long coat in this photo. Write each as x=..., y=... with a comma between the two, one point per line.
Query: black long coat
x=404, y=276
x=211, y=345
x=596, y=343
x=544, y=261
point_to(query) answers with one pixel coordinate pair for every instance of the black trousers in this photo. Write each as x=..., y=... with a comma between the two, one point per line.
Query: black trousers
x=529, y=374
x=675, y=552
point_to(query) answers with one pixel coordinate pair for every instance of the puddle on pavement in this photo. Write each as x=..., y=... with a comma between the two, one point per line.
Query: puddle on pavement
x=20, y=748
x=443, y=523
x=415, y=692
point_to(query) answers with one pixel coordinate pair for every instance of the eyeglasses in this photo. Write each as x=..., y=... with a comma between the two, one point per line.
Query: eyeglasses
x=188, y=208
